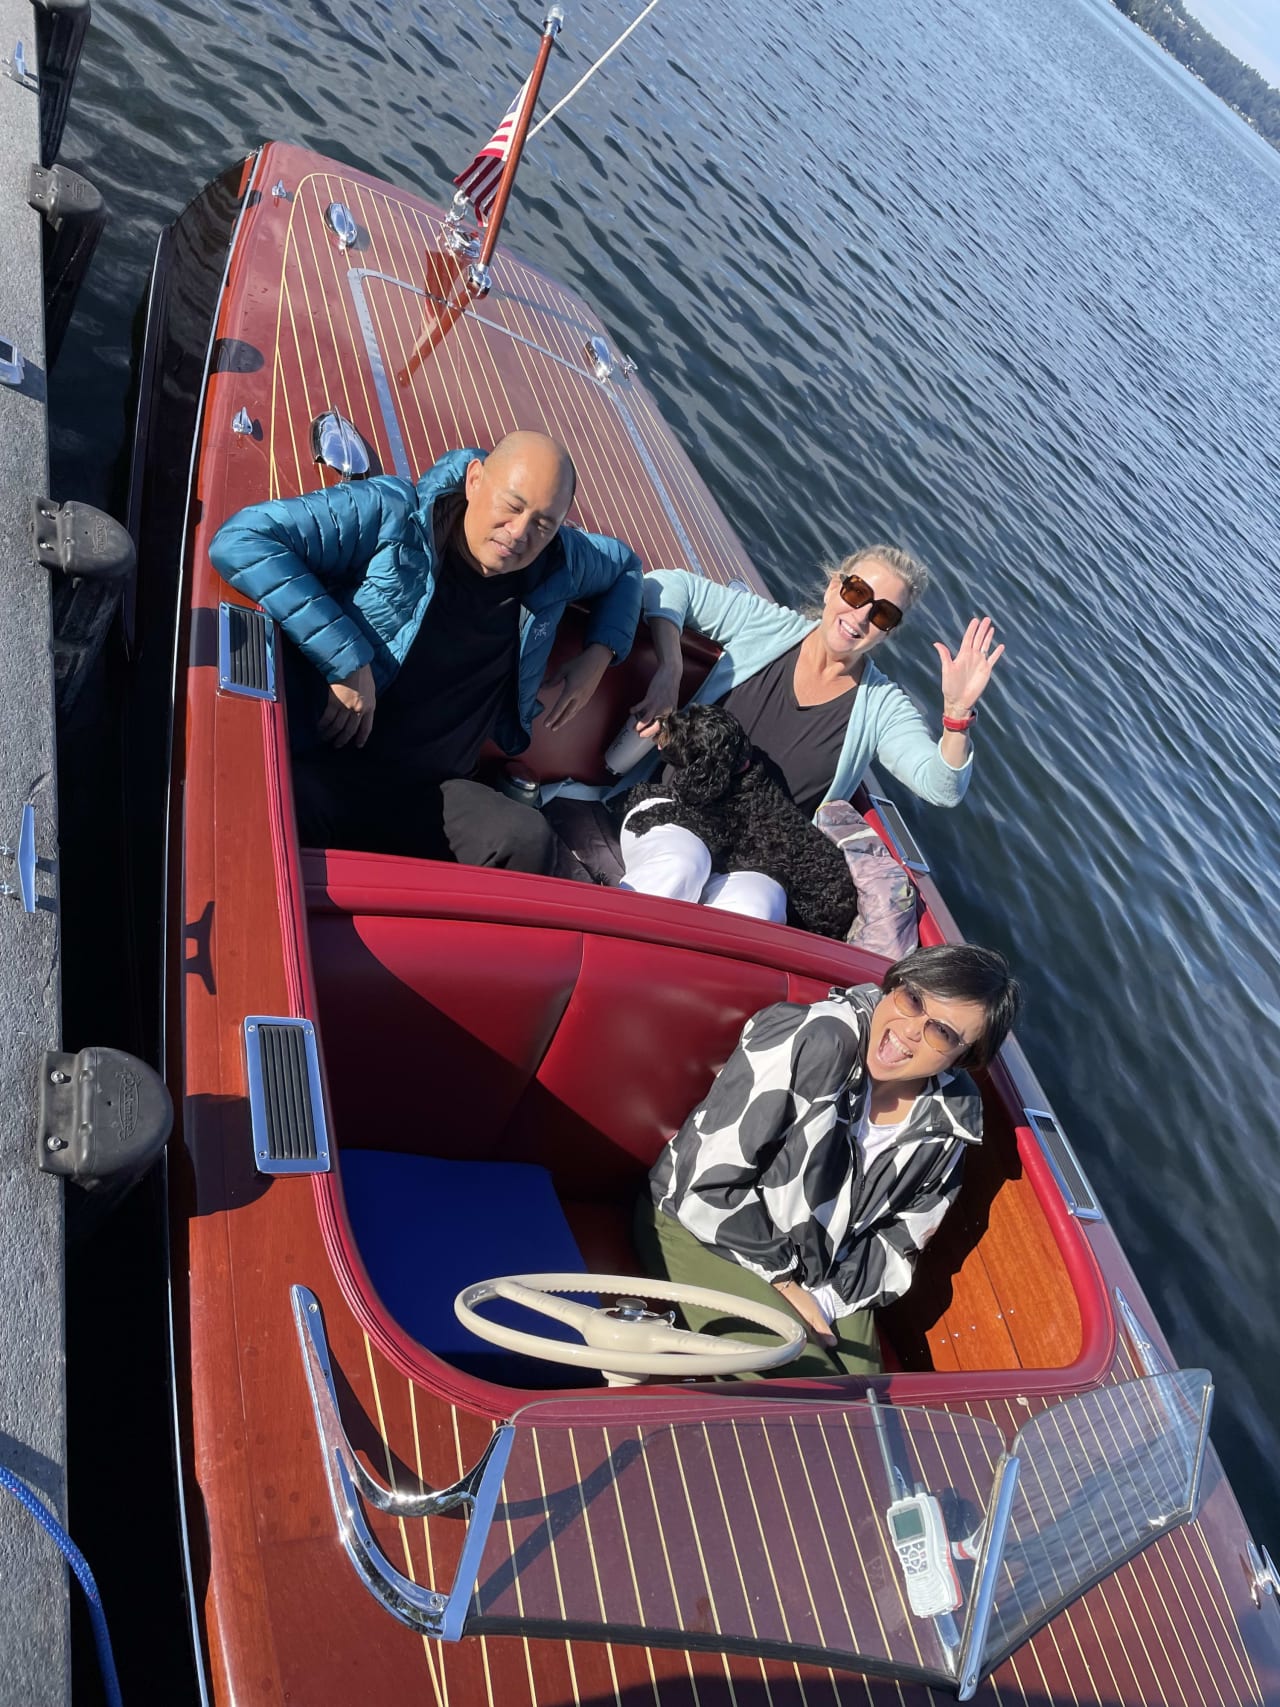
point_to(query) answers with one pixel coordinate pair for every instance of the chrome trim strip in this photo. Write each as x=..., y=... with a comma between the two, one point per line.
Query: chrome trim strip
x=903, y=842
x=423, y=1609
x=390, y=420
x=226, y=682
x=1202, y=1446
x=1086, y=1208
x=983, y=1598
x=651, y=469
x=263, y=1159
x=1148, y=1358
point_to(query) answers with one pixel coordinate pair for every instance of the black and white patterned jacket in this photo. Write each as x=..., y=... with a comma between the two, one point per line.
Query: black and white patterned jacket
x=766, y=1172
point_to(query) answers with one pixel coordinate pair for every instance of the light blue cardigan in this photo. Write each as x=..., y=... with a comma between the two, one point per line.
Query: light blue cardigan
x=884, y=727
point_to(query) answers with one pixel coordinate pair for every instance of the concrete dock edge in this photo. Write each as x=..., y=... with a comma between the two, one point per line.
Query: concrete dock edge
x=35, y=1666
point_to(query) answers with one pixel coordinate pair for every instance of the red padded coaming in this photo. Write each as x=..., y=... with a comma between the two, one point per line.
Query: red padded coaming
x=623, y=1070
x=432, y=1028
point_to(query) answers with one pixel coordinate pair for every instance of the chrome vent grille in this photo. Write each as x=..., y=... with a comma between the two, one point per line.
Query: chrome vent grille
x=246, y=652
x=1062, y=1159
x=904, y=843
x=286, y=1104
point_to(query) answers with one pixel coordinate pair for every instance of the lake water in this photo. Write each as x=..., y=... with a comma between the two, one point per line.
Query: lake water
x=992, y=279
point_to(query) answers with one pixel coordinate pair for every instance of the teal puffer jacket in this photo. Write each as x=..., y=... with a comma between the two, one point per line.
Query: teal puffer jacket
x=348, y=573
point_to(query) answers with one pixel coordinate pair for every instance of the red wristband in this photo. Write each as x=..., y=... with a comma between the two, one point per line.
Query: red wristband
x=958, y=725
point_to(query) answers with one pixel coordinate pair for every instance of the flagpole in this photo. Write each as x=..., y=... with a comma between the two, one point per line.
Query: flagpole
x=588, y=75
x=477, y=274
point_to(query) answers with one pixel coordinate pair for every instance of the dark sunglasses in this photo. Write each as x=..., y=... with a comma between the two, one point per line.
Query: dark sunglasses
x=856, y=593
x=937, y=1033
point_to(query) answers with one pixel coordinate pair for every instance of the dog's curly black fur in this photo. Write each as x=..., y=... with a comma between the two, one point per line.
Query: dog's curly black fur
x=721, y=788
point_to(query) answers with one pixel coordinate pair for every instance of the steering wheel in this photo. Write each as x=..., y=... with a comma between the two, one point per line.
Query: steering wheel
x=624, y=1338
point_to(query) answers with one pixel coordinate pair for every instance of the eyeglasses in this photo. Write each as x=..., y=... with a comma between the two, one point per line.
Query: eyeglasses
x=856, y=593
x=937, y=1034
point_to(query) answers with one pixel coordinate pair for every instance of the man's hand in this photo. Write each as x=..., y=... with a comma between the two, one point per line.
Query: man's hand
x=806, y=1307
x=579, y=678
x=661, y=696
x=348, y=716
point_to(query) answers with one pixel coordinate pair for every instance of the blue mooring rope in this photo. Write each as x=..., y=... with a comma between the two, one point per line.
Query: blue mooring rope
x=84, y=1576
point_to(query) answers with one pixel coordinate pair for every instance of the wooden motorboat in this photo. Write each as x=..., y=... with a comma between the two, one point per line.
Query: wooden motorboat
x=396, y=1078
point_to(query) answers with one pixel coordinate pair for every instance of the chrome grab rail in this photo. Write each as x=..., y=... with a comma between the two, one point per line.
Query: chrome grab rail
x=422, y=1608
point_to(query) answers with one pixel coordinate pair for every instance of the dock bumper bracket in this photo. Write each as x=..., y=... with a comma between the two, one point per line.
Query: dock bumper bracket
x=103, y=1115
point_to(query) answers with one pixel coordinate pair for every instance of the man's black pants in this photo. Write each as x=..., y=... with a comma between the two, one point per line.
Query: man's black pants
x=345, y=801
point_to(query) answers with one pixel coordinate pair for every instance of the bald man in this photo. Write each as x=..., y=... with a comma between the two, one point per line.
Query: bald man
x=420, y=619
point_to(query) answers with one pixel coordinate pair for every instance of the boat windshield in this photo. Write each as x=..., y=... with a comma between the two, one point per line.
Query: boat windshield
x=907, y=1543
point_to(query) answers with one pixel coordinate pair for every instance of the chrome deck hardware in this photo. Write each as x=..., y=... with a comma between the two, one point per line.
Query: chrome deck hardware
x=1266, y=1580
x=423, y=1609
x=341, y=221
x=479, y=278
x=242, y=422
x=338, y=445
x=600, y=356
x=1072, y=1179
x=904, y=843
x=279, y=193
x=25, y=854
x=460, y=233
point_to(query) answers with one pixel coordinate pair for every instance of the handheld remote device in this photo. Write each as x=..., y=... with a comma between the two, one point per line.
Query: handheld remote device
x=919, y=1538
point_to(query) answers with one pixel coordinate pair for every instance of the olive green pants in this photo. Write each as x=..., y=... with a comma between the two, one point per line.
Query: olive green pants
x=670, y=1252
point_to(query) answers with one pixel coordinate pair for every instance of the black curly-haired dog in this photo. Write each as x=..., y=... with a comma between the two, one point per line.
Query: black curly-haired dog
x=721, y=788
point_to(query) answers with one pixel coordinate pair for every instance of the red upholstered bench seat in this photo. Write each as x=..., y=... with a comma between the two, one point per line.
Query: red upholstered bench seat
x=581, y=1053
x=490, y=1016
x=543, y=1036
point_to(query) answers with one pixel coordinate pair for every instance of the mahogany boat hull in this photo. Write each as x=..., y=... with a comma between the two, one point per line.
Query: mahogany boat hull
x=406, y=965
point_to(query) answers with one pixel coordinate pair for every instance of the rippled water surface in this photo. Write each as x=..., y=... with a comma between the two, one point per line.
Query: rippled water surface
x=990, y=278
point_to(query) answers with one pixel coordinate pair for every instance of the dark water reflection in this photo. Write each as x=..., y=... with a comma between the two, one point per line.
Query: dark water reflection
x=993, y=280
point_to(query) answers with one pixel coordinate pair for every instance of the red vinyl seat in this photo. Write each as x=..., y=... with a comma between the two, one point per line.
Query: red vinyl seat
x=577, y=1052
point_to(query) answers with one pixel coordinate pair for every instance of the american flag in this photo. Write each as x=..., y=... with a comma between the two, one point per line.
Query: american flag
x=479, y=180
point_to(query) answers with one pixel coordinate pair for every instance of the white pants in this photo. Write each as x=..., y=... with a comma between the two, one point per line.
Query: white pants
x=674, y=862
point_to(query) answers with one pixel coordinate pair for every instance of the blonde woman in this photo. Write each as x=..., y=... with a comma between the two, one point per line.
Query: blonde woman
x=810, y=696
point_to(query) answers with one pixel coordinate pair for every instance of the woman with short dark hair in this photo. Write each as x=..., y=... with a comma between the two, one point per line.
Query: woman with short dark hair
x=825, y=1155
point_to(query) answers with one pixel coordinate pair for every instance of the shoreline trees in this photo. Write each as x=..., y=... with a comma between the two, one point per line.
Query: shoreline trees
x=1239, y=85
